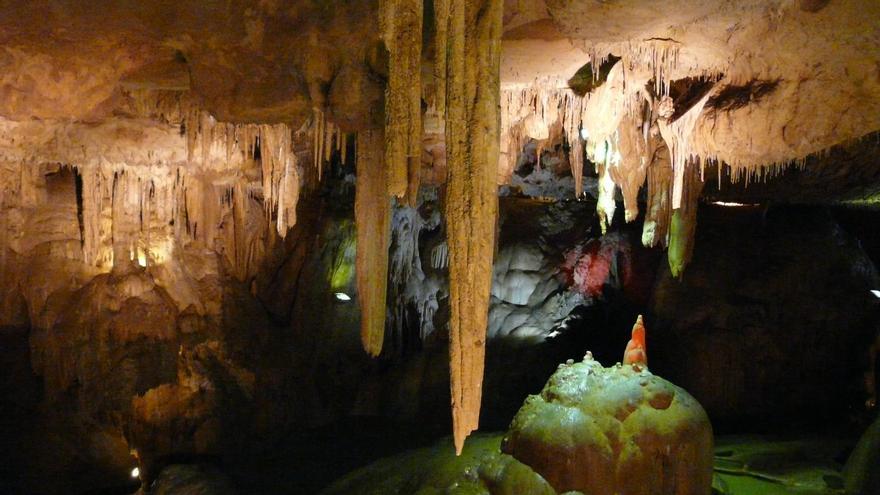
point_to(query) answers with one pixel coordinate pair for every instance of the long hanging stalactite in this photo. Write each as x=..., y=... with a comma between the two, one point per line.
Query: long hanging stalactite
x=683, y=224
x=401, y=22
x=388, y=163
x=372, y=216
x=472, y=147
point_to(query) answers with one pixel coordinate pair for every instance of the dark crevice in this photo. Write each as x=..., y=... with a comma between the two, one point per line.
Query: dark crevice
x=586, y=80
x=79, y=207
x=738, y=96
x=686, y=92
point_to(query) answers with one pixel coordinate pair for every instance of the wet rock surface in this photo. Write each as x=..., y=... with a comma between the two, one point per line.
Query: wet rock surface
x=183, y=479
x=592, y=430
x=614, y=430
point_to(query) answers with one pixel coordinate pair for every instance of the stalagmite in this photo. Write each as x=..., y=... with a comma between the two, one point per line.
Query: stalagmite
x=684, y=221
x=372, y=209
x=401, y=22
x=472, y=141
x=635, y=352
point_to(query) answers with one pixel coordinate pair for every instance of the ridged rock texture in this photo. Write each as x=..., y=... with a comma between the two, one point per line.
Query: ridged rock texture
x=372, y=218
x=472, y=126
x=614, y=431
x=401, y=22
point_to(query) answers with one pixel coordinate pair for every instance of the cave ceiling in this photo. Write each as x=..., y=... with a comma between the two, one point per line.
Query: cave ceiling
x=274, y=61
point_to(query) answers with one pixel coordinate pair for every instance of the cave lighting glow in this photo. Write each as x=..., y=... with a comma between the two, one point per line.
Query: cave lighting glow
x=136, y=472
x=731, y=204
x=342, y=296
x=876, y=293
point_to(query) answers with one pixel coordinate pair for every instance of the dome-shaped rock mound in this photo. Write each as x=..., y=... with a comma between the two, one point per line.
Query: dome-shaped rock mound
x=615, y=431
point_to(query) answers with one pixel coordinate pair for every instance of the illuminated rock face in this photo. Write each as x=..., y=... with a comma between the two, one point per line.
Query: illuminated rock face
x=472, y=123
x=618, y=430
x=372, y=216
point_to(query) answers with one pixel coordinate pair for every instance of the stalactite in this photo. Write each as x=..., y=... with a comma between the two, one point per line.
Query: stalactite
x=606, y=204
x=318, y=140
x=659, y=207
x=605, y=108
x=32, y=181
x=684, y=221
x=92, y=198
x=280, y=176
x=547, y=115
x=630, y=173
x=372, y=218
x=572, y=125
x=677, y=135
x=181, y=177
x=288, y=196
x=407, y=279
x=239, y=222
x=125, y=211
x=401, y=22
x=472, y=141
x=440, y=256
x=441, y=27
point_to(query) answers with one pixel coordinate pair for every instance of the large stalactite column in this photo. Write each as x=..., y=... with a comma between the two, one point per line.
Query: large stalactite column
x=401, y=22
x=472, y=148
x=372, y=216
x=683, y=224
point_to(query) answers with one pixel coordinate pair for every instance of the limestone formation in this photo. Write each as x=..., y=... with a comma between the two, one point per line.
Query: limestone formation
x=617, y=430
x=472, y=122
x=192, y=156
x=402, y=33
x=372, y=218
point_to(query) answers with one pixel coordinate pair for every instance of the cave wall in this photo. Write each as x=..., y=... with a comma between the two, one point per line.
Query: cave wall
x=771, y=326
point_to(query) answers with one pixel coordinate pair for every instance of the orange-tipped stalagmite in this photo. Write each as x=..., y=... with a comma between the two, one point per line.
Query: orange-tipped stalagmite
x=636, y=349
x=372, y=217
x=401, y=22
x=472, y=147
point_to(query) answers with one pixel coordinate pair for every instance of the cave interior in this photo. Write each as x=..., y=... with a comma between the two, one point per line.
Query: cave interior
x=433, y=246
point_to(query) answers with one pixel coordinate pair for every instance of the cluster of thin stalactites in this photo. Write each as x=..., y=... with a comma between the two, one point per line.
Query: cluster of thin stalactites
x=232, y=187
